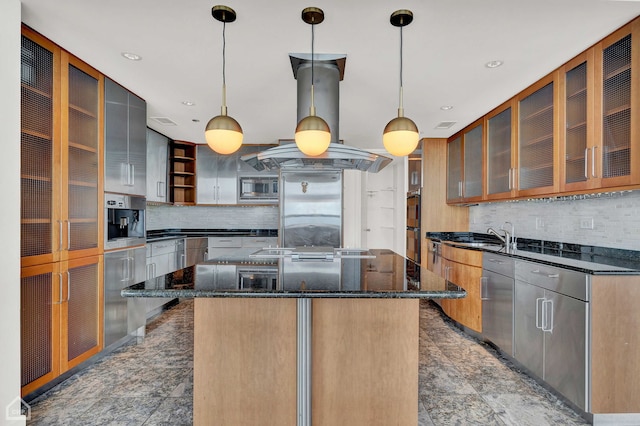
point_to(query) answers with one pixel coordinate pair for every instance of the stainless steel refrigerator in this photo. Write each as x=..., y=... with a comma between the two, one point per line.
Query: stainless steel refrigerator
x=311, y=208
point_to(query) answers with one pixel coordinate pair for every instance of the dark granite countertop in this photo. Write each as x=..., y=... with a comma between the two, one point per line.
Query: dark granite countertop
x=165, y=234
x=592, y=260
x=388, y=275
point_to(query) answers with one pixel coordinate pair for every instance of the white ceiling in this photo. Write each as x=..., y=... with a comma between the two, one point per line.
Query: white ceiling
x=445, y=51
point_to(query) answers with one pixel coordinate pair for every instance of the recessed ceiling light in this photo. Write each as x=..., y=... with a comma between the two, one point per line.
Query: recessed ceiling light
x=188, y=103
x=446, y=107
x=131, y=56
x=493, y=64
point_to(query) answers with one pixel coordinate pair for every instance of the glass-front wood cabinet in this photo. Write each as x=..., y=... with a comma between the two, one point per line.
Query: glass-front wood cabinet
x=499, y=157
x=60, y=318
x=465, y=165
x=61, y=154
x=61, y=211
x=536, y=165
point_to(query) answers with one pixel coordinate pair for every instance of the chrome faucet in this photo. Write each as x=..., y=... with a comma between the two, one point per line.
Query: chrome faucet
x=511, y=236
x=500, y=237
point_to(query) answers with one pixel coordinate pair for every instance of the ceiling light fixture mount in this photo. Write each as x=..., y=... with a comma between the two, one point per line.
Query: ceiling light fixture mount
x=131, y=56
x=313, y=135
x=223, y=133
x=493, y=64
x=401, y=136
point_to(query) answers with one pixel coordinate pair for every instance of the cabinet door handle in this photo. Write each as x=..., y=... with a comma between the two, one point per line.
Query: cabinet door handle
x=544, y=274
x=59, y=288
x=68, y=234
x=125, y=266
x=586, y=163
x=132, y=174
x=539, y=307
x=60, y=236
x=547, y=315
x=160, y=191
x=68, y=286
x=484, y=281
x=183, y=261
x=593, y=162
x=510, y=173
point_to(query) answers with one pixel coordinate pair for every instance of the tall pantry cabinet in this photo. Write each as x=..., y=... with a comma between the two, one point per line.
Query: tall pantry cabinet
x=61, y=211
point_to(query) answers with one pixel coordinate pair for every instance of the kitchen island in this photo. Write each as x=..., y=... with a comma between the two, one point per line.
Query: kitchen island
x=287, y=340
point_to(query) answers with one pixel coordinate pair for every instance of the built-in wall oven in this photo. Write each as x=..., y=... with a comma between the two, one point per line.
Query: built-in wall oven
x=124, y=223
x=257, y=277
x=260, y=189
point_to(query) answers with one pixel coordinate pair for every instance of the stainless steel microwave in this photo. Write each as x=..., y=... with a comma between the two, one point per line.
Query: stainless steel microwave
x=261, y=189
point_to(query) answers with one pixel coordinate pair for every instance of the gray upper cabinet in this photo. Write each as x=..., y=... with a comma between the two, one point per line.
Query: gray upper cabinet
x=217, y=177
x=125, y=141
x=157, y=160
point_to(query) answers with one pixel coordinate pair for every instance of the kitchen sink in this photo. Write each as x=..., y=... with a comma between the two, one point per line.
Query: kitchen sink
x=479, y=244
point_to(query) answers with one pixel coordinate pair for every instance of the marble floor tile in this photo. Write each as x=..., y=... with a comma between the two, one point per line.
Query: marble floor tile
x=461, y=382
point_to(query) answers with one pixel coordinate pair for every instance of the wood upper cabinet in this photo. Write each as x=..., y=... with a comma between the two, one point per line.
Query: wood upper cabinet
x=61, y=153
x=616, y=157
x=577, y=142
x=500, y=156
x=536, y=171
x=465, y=165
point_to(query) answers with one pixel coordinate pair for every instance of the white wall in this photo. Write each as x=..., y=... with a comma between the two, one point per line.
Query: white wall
x=10, y=217
x=616, y=219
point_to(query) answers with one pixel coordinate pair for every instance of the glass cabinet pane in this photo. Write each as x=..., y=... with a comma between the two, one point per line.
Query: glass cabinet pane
x=535, y=141
x=499, y=152
x=473, y=163
x=576, y=124
x=82, y=328
x=616, y=125
x=454, y=169
x=83, y=160
x=36, y=149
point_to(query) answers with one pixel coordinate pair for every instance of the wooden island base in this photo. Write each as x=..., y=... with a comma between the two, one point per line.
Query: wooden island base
x=363, y=369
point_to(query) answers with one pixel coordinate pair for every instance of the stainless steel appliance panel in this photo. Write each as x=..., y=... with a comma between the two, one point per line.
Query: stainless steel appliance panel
x=122, y=268
x=529, y=340
x=157, y=161
x=571, y=283
x=566, y=346
x=257, y=277
x=125, y=141
x=216, y=180
x=258, y=189
x=311, y=208
x=497, y=309
x=413, y=244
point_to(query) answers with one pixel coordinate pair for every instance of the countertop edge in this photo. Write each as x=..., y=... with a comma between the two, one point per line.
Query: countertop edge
x=295, y=294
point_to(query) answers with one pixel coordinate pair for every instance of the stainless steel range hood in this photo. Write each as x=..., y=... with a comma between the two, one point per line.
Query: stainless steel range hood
x=337, y=157
x=328, y=71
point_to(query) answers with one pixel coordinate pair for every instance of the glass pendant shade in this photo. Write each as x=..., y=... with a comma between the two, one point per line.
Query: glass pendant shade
x=400, y=136
x=223, y=134
x=313, y=135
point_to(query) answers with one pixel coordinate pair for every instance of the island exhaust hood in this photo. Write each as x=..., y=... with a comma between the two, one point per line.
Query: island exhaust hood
x=328, y=70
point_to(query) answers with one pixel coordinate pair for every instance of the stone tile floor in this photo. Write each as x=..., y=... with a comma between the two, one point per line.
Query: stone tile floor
x=462, y=382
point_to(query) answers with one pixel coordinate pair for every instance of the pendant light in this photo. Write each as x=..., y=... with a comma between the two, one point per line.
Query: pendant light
x=400, y=136
x=223, y=133
x=313, y=135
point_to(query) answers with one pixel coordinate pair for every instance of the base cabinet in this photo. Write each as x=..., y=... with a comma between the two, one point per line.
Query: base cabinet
x=60, y=318
x=552, y=330
x=362, y=361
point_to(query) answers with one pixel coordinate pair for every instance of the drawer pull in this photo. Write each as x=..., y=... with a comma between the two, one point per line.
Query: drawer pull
x=537, y=272
x=500, y=262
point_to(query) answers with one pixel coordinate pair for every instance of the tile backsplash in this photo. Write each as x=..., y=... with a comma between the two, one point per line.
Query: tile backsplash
x=216, y=217
x=606, y=220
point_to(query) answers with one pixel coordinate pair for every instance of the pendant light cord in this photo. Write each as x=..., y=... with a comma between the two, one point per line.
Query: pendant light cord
x=401, y=108
x=224, y=68
x=313, y=105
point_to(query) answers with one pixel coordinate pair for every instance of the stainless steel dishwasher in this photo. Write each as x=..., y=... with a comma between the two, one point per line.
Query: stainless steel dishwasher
x=552, y=327
x=497, y=300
